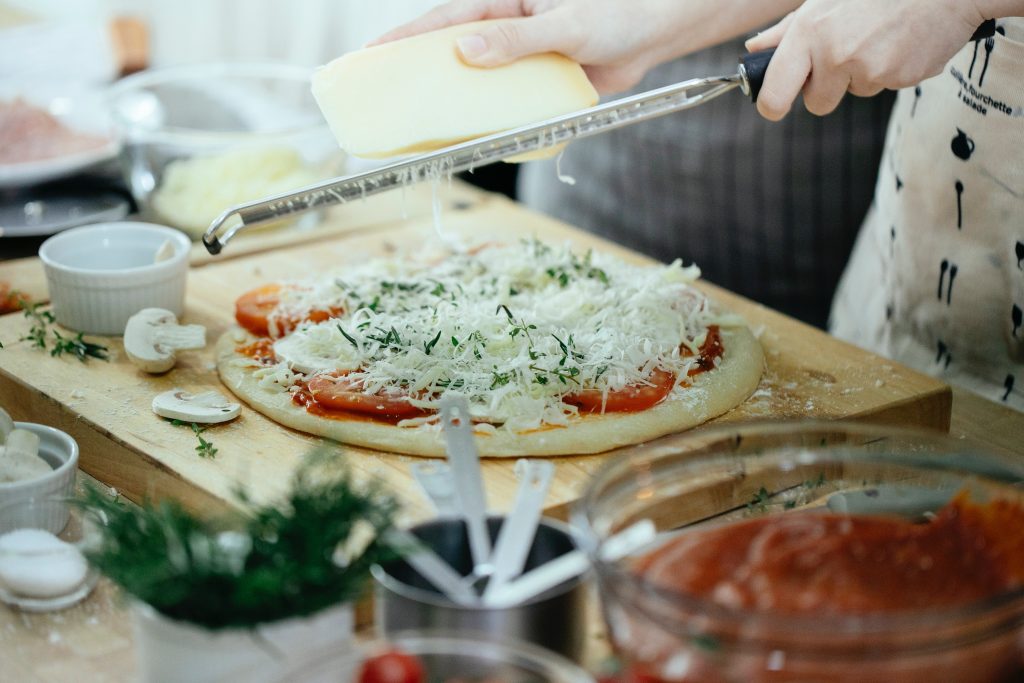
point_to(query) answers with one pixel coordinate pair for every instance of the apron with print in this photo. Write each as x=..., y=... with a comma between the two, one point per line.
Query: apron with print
x=936, y=279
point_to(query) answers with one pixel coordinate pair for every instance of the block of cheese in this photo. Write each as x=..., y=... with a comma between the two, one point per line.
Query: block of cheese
x=417, y=95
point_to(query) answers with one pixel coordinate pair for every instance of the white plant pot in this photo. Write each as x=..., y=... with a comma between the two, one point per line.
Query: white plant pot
x=171, y=651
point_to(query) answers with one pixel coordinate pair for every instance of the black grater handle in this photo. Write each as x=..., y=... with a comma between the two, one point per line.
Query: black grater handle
x=753, y=67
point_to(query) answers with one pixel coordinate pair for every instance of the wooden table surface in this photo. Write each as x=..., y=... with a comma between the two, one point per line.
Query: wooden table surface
x=93, y=641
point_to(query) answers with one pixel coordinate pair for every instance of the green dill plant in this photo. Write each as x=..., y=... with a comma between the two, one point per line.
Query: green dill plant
x=254, y=565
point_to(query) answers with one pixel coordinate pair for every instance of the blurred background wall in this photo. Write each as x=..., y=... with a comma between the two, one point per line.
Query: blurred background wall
x=303, y=32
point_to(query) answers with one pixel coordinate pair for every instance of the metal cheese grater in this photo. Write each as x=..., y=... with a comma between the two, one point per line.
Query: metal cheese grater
x=486, y=150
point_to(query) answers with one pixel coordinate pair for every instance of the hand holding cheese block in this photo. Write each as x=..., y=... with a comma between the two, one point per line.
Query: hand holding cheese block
x=616, y=42
x=417, y=95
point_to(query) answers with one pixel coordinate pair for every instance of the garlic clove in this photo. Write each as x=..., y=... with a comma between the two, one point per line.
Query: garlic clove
x=6, y=425
x=35, y=563
x=19, y=466
x=208, y=407
x=19, y=457
x=24, y=441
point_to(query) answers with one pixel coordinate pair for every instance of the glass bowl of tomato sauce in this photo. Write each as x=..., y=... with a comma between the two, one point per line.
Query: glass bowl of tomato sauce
x=812, y=552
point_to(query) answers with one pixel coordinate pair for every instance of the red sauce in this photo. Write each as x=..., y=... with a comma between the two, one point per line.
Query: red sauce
x=710, y=351
x=261, y=351
x=10, y=299
x=811, y=563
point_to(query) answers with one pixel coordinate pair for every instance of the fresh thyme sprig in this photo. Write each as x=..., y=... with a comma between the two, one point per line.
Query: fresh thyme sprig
x=75, y=346
x=256, y=565
x=78, y=347
x=205, y=449
x=40, y=324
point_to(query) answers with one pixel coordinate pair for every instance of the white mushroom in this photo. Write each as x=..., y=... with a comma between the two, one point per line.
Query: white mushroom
x=208, y=407
x=152, y=336
x=6, y=425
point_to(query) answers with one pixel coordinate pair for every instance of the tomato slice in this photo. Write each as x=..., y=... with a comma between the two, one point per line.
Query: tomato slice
x=254, y=309
x=10, y=299
x=341, y=393
x=631, y=399
x=393, y=667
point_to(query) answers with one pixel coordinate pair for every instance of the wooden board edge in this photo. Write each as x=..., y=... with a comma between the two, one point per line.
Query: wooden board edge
x=133, y=474
x=931, y=410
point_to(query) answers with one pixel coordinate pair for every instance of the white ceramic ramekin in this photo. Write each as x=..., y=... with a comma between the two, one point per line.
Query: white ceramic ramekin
x=101, y=275
x=61, y=452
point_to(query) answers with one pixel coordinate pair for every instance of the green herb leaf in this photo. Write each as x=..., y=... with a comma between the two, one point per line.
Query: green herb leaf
x=78, y=347
x=760, y=500
x=348, y=336
x=429, y=346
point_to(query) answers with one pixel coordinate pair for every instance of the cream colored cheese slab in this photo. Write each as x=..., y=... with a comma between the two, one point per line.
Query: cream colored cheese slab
x=417, y=95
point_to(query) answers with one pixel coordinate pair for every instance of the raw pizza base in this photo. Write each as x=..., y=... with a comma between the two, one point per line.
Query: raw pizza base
x=711, y=394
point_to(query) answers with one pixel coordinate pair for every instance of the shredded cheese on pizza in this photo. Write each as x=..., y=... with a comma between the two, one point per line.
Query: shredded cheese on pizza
x=514, y=328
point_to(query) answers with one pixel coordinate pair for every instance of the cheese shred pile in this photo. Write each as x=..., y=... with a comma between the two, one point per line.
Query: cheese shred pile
x=513, y=328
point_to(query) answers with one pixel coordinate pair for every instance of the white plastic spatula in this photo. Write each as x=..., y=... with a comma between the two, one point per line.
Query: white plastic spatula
x=433, y=568
x=465, y=465
x=435, y=478
x=520, y=526
x=569, y=565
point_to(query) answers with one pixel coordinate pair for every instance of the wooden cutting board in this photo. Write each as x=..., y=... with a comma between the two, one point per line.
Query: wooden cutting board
x=106, y=405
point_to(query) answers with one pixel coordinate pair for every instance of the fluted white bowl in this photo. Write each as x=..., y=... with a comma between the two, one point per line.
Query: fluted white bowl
x=60, y=451
x=100, y=275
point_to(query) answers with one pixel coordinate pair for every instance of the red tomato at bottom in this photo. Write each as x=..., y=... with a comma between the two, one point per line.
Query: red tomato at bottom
x=392, y=667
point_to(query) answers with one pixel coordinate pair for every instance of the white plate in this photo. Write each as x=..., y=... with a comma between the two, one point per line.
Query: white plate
x=34, y=215
x=78, y=108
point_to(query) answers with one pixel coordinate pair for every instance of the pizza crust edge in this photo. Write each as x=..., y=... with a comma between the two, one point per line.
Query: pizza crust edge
x=712, y=393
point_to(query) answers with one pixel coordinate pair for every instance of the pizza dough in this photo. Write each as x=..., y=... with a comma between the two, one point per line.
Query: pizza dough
x=556, y=352
x=711, y=394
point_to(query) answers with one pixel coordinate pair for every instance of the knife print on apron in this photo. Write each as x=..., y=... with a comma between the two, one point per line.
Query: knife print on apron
x=948, y=298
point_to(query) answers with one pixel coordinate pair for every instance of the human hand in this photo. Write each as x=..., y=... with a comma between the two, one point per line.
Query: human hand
x=617, y=42
x=827, y=48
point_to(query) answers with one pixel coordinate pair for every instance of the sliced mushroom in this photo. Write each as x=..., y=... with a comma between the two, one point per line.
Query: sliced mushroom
x=6, y=425
x=153, y=335
x=208, y=407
